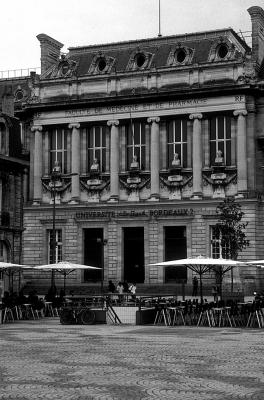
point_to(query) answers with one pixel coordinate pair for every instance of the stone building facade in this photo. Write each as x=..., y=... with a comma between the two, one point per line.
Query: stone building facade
x=149, y=137
x=14, y=166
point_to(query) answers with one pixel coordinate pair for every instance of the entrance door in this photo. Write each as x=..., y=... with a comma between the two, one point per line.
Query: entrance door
x=134, y=270
x=93, y=254
x=175, y=249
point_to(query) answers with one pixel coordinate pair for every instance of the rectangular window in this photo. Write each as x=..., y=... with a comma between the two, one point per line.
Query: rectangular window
x=58, y=246
x=177, y=141
x=58, y=148
x=3, y=134
x=136, y=144
x=96, y=140
x=220, y=138
x=217, y=250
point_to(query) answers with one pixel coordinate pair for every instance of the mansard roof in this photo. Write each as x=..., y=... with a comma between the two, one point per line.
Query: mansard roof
x=82, y=60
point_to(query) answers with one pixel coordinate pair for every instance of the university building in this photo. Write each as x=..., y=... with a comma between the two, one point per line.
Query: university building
x=148, y=137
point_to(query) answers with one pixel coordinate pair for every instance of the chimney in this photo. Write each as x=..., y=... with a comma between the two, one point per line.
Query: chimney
x=50, y=51
x=8, y=102
x=257, y=19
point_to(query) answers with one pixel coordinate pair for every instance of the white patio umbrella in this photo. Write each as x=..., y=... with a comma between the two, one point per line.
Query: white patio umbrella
x=258, y=263
x=201, y=265
x=10, y=269
x=64, y=267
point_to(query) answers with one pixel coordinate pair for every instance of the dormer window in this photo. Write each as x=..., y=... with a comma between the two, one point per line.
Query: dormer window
x=101, y=64
x=19, y=95
x=139, y=60
x=180, y=55
x=222, y=50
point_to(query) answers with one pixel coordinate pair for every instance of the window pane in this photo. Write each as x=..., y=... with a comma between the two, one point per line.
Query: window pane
x=178, y=150
x=170, y=154
x=221, y=147
x=129, y=156
x=212, y=152
x=143, y=158
x=184, y=156
x=212, y=129
x=228, y=127
x=59, y=139
x=129, y=134
x=228, y=152
x=103, y=167
x=104, y=131
x=178, y=130
x=184, y=130
x=90, y=158
x=97, y=136
x=90, y=137
x=170, y=131
x=137, y=133
x=220, y=127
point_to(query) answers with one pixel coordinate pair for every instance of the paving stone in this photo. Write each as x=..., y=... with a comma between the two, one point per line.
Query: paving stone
x=46, y=360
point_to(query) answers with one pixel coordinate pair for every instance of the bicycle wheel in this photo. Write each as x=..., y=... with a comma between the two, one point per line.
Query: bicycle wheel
x=66, y=317
x=87, y=317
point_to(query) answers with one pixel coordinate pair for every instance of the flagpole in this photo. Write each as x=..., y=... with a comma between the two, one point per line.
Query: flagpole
x=159, y=35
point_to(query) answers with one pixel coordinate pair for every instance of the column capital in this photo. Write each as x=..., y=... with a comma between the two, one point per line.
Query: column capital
x=240, y=112
x=150, y=120
x=74, y=125
x=35, y=128
x=196, y=116
x=113, y=122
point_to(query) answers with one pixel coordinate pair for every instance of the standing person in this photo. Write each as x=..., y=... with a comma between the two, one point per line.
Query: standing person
x=132, y=289
x=195, y=286
x=120, y=290
x=111, y=287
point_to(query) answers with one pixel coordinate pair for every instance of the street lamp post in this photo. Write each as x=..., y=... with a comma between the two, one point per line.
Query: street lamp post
x=103, y=243
x=54, y=182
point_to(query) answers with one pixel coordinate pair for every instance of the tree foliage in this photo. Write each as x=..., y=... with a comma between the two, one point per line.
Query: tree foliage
x=230, y=229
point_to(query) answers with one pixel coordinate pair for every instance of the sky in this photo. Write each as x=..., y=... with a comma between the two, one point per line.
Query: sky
x=86, y=22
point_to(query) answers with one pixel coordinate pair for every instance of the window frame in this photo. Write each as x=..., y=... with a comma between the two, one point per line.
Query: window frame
x=94, y=148
x=221, y=143
x=140, y=145
x=182, y=143
x=58, y=248
x=58, y=150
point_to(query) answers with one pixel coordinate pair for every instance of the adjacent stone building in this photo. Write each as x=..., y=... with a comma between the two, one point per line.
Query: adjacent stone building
x=14, y=166
x=147, y=136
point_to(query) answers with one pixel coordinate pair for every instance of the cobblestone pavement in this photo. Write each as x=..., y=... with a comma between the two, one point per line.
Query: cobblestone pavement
x=46, y=360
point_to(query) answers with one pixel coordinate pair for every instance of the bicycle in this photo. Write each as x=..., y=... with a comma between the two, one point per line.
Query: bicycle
x=70, y=315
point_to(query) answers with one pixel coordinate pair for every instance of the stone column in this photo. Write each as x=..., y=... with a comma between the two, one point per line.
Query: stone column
x=75, y=162
x=197, y=156
x=37, y=186
x=114, y=160
x=154, y=157
x=241, y=152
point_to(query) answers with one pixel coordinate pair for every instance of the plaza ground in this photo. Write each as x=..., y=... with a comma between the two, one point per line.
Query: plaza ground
x=43, y=359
